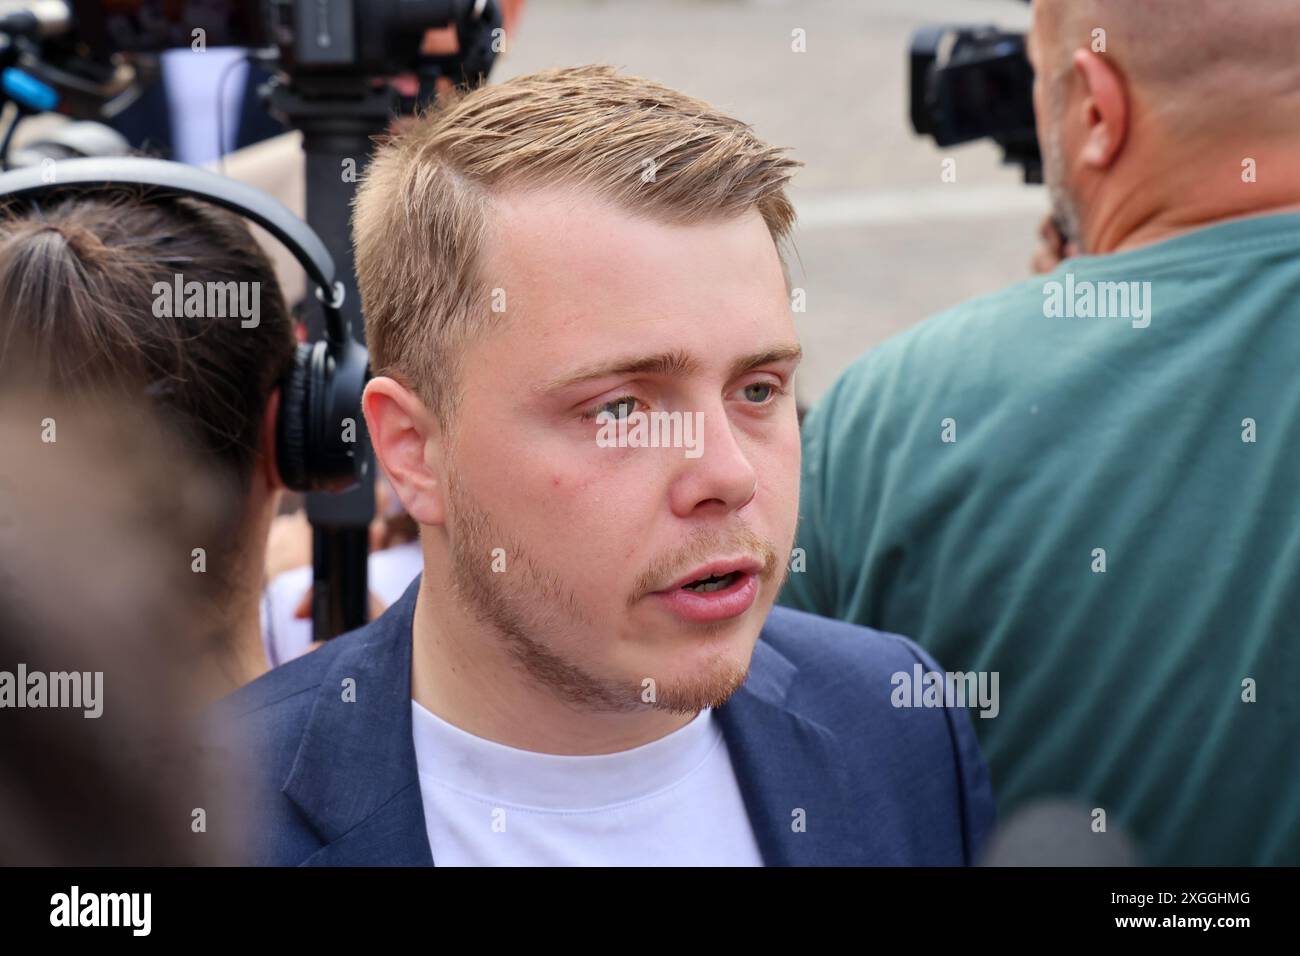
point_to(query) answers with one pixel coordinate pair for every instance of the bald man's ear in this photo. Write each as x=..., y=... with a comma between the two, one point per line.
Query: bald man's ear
x=1105, y=109
x=409, y=445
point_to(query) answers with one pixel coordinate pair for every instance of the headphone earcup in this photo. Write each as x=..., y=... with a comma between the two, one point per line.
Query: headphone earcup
x=291, y=424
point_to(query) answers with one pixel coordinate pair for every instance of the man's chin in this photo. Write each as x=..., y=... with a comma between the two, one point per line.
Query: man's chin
x=688, y=687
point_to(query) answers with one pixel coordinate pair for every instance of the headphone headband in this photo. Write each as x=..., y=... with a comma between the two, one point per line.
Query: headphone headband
x=177, y=179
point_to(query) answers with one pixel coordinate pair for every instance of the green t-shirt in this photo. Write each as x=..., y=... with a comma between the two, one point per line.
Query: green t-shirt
x=1098, y=499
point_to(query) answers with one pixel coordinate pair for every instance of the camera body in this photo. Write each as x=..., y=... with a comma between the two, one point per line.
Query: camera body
x=90, y=59
x=969, y=83
x=369, y=37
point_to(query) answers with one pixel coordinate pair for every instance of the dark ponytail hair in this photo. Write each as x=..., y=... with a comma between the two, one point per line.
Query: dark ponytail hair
x=77, y=281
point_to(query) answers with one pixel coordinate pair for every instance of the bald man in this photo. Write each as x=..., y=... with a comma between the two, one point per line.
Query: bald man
x=1086, y=483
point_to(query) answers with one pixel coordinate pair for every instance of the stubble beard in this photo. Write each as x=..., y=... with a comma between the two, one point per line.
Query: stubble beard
x=527, y=604
x=1065, y=210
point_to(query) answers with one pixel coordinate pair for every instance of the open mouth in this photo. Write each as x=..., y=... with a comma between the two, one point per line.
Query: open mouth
x=713, y=582
x=715, y=597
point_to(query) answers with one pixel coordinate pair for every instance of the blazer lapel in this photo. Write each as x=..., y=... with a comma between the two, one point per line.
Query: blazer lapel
x=792, y=773
x=394, y=835
x=355, y=777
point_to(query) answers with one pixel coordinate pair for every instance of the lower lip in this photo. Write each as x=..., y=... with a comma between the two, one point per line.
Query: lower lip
x=712, y=605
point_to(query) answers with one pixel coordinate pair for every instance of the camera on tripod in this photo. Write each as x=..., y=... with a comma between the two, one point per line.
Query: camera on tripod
x=90, y=58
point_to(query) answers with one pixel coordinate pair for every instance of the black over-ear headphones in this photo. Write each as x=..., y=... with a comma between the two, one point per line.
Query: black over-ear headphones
x=315, y=450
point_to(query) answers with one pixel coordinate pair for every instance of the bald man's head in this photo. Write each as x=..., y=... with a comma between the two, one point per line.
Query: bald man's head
x=1181, y=56
x=1127, y=91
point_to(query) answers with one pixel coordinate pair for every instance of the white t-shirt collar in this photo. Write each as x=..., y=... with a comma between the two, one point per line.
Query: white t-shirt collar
x=505, y=775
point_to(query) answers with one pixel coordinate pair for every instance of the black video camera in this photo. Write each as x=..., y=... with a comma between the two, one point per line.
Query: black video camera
x=73, y=55
x=372, y=37
x=970, y=83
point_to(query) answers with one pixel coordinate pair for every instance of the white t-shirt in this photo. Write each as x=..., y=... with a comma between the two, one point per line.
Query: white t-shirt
x=671, y=802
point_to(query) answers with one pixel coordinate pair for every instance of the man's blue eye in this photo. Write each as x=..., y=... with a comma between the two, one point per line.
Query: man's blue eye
x=612, y=409
x=760, y=398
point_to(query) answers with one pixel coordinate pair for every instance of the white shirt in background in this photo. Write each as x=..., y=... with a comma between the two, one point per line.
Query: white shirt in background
x=199, y=85
x=285, y=637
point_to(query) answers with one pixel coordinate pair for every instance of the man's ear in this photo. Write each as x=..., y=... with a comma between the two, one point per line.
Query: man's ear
x=269, y=466
x=408, y=443
x=1105, y=109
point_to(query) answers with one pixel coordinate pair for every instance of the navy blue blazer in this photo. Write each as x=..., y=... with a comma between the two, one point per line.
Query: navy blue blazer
x=812, y=728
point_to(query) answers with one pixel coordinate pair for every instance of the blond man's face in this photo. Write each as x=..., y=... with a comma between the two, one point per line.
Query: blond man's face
x=570, y=532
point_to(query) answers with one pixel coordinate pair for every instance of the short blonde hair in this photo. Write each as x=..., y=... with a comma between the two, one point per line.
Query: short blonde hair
x=420, y=216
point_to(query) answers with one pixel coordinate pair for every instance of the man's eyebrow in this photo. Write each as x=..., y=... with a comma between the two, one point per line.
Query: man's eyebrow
x=672, y=362
x=782, y=353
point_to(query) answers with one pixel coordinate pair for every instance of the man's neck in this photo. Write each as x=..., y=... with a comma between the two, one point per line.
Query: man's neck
x=1203, y=193
x=463, y=672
